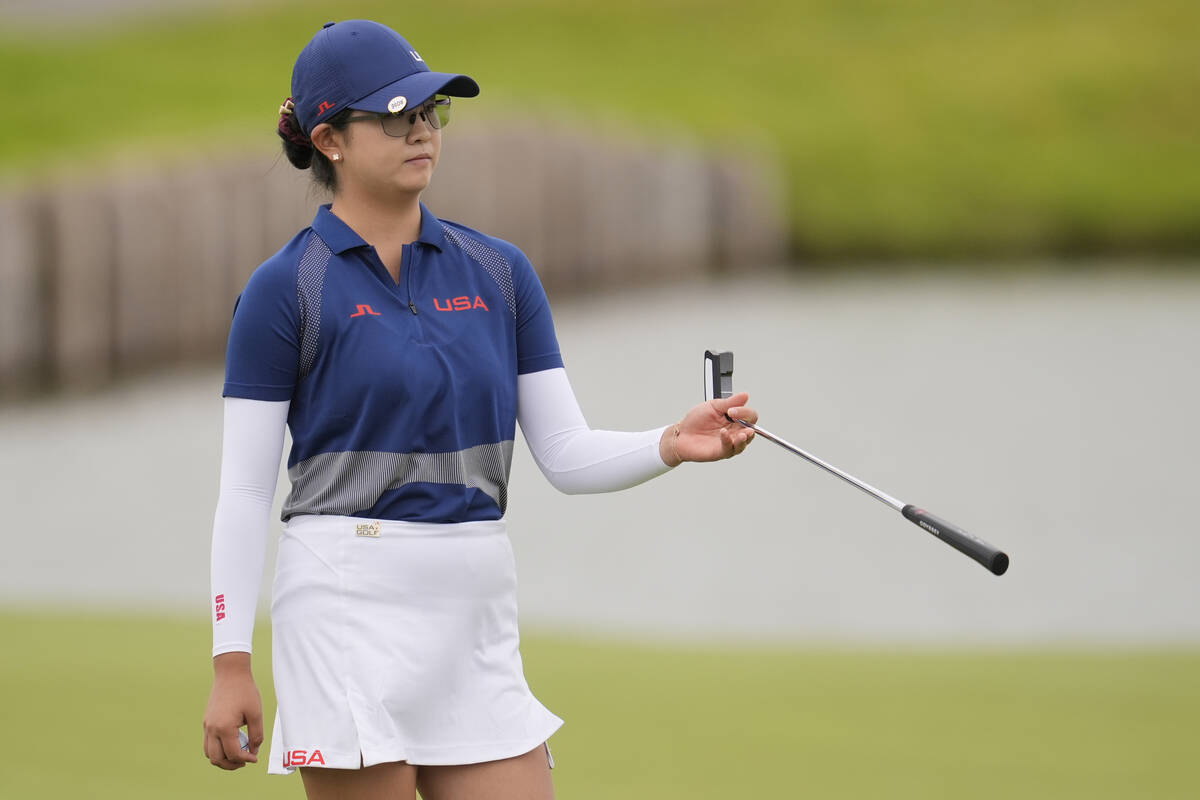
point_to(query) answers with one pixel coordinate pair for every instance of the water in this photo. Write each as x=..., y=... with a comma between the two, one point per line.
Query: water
x=1051, y=415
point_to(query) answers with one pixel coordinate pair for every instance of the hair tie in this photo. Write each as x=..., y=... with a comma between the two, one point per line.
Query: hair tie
x=289, y=125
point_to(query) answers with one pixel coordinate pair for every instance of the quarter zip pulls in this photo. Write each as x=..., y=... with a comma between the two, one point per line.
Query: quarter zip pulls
x=407, y=266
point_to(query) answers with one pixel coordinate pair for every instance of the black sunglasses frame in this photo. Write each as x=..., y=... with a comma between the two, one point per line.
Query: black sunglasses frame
x=435, y=112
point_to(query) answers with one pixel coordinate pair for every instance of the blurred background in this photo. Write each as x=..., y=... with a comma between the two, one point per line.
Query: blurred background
x=954, y=246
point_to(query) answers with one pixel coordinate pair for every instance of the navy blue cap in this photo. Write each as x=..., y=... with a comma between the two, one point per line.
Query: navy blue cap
x=364, y=65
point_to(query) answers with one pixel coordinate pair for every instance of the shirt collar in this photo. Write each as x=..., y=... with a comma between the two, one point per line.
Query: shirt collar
x=432, y=231
x=340, y=237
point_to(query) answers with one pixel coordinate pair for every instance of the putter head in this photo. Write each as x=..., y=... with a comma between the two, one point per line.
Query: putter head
x=718, y=374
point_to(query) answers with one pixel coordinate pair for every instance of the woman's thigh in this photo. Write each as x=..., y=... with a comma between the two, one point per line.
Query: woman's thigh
x=524, y=777
x=392, y=781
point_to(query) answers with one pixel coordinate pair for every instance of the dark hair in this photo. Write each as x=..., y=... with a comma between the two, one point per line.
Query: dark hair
x=298, y=147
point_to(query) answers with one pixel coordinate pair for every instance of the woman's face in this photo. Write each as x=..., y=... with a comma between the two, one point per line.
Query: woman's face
x=377, y=164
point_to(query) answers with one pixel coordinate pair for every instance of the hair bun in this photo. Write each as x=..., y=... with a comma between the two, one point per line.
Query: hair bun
x=296, y=145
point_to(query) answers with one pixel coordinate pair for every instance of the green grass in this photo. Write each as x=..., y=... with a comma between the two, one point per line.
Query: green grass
x=908, y=128
x=106, y=707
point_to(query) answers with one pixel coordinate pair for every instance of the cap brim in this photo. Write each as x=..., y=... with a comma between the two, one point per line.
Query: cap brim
x=416, y=89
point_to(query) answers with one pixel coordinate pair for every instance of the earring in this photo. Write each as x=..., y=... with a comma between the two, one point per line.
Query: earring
x=336, y=157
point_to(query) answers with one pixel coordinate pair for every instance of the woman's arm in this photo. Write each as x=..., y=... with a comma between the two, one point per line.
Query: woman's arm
x=251, y=448
x=577, y=460
x=250, y=451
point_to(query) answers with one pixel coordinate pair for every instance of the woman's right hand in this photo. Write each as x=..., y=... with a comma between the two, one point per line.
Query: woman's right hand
x=234, y=702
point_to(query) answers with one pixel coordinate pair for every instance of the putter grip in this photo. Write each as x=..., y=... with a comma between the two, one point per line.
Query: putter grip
x=995, y=560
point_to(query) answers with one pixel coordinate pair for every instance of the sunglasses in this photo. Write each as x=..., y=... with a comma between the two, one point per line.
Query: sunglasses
x=435, y=112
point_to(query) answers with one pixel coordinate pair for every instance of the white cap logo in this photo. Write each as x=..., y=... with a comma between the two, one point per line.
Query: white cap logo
x=416, y=56
x=397, y=104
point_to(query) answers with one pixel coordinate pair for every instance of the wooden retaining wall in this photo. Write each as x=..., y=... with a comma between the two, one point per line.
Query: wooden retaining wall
x=127, y=272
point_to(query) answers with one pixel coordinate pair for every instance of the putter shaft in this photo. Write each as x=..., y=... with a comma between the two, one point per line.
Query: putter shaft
x=886, y=499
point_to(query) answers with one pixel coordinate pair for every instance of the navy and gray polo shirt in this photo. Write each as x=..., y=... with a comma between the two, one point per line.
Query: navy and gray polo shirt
x=403, y=396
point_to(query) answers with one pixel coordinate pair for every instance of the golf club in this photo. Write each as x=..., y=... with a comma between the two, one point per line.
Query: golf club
x=718, y=382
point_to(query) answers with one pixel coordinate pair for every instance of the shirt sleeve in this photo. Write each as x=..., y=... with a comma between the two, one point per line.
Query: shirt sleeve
x=251, y=449
x=263, y=356
x=537, y=344
x=573, y=457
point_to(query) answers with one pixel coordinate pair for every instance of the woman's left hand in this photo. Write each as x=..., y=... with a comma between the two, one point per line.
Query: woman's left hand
x=704, y=434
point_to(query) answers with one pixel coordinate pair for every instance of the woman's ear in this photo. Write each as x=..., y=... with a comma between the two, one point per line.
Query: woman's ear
x=328, y=141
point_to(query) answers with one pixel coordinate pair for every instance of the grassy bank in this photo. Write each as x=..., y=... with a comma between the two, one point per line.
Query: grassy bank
x=924, y=127
x=106, y=707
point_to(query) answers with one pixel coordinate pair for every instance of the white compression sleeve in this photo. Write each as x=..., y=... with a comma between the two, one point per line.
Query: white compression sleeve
x=574, y=458
x=251, y=447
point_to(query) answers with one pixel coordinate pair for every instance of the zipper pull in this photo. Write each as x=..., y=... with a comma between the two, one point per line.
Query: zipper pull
x=412, y=307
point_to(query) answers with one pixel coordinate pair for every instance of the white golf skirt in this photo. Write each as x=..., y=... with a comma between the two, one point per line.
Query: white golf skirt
x=397, y=641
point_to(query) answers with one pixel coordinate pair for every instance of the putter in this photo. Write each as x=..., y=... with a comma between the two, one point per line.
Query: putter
x=718, y=383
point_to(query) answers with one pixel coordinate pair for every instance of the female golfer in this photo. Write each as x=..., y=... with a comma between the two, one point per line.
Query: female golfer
x=401, y=350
